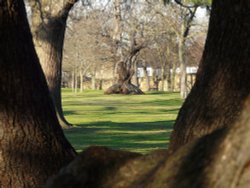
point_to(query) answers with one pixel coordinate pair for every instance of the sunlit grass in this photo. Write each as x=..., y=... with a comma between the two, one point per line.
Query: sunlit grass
x=138, y=123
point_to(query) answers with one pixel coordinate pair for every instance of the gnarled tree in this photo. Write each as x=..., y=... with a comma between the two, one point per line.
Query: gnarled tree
x=32, y=144
x=124, y=67
x=125, y=71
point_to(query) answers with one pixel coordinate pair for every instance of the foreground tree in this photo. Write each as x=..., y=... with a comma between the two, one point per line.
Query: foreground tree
x=48, y=29
x=32, y=145
x=217, y=97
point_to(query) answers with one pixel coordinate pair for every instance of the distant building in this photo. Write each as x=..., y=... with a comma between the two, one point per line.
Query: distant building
x=140, y=71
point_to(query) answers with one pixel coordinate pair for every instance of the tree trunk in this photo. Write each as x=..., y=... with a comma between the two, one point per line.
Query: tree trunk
x=76, y=82
x=182, y=61
x=146, y=77
x=155, y=79
x=93, y=82
x=81, y=80
x=217, y=96
x=72, y=80
x=163, y=77
x=117, y=36
x=124, y=85
x=33, y=146
x=48, y=35
x=168, y=77
x=135, y=76
x=173, y=75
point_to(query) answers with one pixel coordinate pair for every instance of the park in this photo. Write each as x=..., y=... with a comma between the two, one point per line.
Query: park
x=135, y=123
x=124, y=94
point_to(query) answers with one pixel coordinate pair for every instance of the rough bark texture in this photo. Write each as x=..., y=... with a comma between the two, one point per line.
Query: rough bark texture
x=91, y=168
x=48, y=29
x=216, y=99
x=32, y=144
x=124, y=85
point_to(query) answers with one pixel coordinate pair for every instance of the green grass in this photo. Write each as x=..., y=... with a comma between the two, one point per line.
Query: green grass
x=139, y=123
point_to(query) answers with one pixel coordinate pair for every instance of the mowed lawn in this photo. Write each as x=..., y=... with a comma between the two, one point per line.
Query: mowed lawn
x=139, y=123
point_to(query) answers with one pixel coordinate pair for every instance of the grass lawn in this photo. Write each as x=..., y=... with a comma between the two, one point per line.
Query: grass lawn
x=139, y=123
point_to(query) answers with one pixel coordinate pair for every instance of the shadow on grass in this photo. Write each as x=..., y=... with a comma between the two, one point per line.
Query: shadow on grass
x=140, y=137
x=114, y=111
x=114, y=103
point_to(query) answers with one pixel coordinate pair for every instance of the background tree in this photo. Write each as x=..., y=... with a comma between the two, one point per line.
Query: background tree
x=127, y=48
x=33, y=146
x=186, y=11
x=89, y=47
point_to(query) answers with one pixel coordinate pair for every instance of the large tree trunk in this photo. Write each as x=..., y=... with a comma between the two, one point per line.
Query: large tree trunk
x=32, y=145
x=216, y=99
x=48, y=29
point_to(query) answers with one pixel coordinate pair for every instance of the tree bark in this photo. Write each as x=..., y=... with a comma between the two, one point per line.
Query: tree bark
x=168, y=77
x=173, y=77
x=146, y=77
x=48, y=29
x=124, y=85
x=33, y=146
x=76, y=82
x=93, y=81
x=182, y=61
x=81, y=80
x=73, y=80
x=135, y=78
x=217, y=97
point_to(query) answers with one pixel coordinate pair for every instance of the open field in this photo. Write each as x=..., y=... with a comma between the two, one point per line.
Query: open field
x=138, y=123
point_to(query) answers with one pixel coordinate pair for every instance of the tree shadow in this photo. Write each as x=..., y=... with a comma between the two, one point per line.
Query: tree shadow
x=138, y=137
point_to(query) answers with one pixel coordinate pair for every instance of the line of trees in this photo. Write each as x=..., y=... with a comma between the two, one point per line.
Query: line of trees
x=129, y=30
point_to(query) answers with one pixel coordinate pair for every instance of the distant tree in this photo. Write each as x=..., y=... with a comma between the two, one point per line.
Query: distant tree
x=127, y=57
x=32, y=146
x=87, y=47
x=186, y=11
